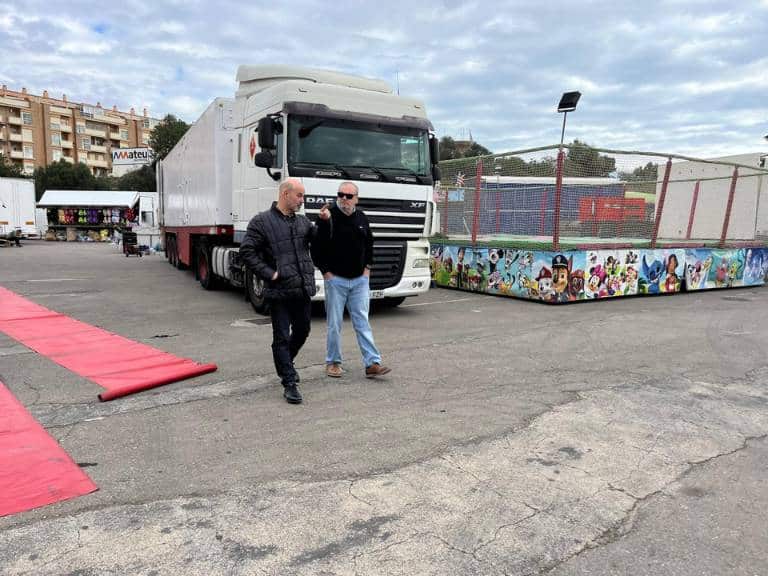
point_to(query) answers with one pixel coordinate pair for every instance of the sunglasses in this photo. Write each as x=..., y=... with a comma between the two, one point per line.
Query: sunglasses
x=347, y=196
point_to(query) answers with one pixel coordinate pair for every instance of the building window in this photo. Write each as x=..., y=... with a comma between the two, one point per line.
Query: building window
x=56, y=139
x=81, y=128
x=145, y=139
x=123, y=134
x=64, y=122
x=26, y=117
x=145, y=123
x=29, y=168
x=56, y=155
x=26, y=135
x=55, y=124
x=85, y=143
x=29, y=153
x=94, y=126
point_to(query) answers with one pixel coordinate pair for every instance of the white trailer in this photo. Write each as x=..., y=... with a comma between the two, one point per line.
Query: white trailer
x=17, y=206
x=323, y=128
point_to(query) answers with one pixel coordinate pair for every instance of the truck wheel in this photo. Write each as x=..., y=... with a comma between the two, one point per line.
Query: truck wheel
x=204, y=272
x=255, y=289
x=394, y=302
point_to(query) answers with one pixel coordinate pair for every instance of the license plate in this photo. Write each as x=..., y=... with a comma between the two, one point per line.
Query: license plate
x=375, y=294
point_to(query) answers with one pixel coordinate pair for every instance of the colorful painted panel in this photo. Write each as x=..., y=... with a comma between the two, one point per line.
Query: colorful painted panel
x=708, y=268
x=558, y=277
x=756, y=266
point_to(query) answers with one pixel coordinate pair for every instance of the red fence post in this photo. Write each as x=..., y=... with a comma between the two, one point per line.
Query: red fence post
x=660, y=207
x=558, y=197
x=476, y=215
x=445, y=212
x=693, y=210
x=727, y=218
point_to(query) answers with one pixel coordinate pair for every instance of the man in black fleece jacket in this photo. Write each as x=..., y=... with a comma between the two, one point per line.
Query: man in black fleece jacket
x=276, y=249
x=343, y=251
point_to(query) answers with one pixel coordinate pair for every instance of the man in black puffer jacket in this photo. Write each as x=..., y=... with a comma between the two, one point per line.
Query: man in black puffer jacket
x=276, y=249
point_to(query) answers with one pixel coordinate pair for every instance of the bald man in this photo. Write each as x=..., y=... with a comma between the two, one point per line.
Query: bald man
x=276, y=249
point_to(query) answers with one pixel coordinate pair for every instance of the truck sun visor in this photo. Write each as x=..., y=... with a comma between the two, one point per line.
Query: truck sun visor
x=309, y=109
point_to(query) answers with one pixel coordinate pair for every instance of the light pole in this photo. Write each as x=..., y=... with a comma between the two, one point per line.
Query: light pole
x=568, y=103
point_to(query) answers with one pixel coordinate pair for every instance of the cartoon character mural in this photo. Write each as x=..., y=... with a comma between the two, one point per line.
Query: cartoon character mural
x=756, y=266
x=651, y=276
x=708, y=268
x=561, y=273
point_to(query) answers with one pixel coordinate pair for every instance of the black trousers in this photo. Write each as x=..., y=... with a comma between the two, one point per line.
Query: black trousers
x=290, y=327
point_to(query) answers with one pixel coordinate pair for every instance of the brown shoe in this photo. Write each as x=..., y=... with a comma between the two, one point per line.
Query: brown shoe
x=376, y=369
x=333, y=370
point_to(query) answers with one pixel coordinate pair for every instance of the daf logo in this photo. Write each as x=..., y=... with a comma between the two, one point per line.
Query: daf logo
x=317, y=200
x=418, y=204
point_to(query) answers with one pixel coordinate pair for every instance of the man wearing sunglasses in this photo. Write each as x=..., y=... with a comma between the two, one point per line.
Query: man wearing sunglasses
x=343, y=251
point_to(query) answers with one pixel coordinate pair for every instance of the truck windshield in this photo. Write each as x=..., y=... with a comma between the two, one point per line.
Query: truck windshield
x=351, y=147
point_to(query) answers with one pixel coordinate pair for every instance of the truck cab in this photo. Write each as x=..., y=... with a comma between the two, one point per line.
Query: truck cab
x=326, y=128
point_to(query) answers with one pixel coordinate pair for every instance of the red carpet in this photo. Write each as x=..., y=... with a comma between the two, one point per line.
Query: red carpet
x=120, y=365
x=34, y=470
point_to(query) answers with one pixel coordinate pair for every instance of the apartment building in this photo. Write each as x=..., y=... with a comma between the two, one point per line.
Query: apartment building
x=36, y=130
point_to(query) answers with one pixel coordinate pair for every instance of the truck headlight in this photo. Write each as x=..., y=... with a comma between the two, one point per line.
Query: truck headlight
x=421, y=263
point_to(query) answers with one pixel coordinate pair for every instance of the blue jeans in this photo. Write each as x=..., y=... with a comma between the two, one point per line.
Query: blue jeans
x=352, y=293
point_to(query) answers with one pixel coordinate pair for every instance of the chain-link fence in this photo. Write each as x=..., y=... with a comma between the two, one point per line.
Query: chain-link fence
x=582, y=197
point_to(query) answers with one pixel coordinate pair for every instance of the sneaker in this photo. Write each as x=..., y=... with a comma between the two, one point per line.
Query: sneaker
x=333, y=369
x=292, y=395
x=376, y=369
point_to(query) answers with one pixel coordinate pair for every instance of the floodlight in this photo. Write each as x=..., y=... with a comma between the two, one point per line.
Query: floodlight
x=568, y=101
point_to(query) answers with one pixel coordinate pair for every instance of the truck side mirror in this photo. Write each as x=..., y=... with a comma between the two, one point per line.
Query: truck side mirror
x=434, y=150
x=436, y=173
x=263, y=159
x=267, y=133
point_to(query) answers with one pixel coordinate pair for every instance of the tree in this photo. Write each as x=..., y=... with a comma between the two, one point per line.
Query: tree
x=450, y=149
x=584, y=161
x=166, y=134
x=9, y=169
x=62, y=175
x=647, y=173
x=141, y=180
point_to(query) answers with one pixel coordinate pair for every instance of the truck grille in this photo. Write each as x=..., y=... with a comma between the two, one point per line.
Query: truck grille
x=389, y=218
x=388, y=262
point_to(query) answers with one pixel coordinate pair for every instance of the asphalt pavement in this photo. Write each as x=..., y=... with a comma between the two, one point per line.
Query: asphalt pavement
x=613, y=437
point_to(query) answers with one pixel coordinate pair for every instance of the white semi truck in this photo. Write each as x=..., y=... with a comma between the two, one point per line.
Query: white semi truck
x=321, y=127
x=17, y=207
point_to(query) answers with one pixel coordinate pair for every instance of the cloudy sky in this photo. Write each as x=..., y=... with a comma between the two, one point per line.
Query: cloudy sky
x=688, y=77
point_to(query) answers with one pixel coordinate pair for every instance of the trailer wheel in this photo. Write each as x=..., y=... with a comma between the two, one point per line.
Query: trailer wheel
x=394, y=302
x=206, y=276
x=254, y=287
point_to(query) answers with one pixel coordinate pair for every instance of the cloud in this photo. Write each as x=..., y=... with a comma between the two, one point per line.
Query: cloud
x=670, y=75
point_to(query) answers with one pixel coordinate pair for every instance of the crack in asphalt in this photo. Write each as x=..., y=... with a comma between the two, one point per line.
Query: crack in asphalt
x=625, y=525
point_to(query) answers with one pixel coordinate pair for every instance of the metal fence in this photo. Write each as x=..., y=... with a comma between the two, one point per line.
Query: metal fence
x=577, y=196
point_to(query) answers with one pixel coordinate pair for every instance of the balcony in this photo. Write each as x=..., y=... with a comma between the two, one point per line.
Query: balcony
x=60, y=110
x=17, y=154
x=97, y=148
x=95, y=132
x=15, y=137
x=65, y=128
x=15, y=120
x=97, y=163
x=68, y=159
x=66, y=144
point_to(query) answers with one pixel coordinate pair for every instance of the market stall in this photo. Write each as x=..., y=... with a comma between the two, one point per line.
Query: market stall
x=100, y=215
